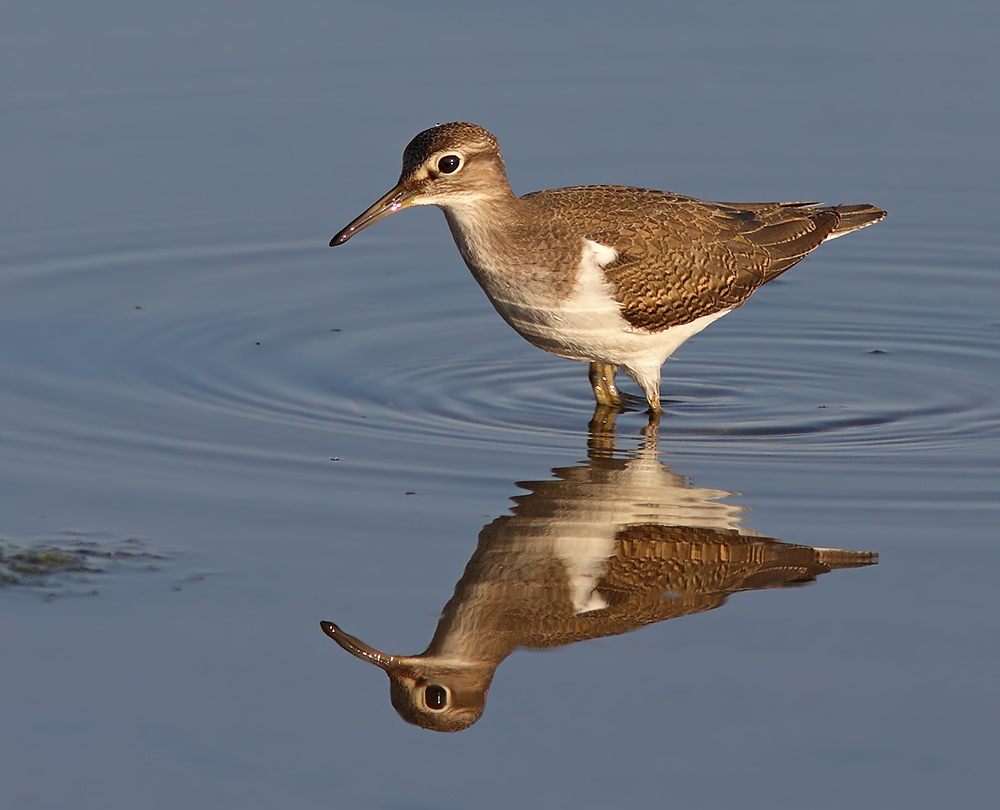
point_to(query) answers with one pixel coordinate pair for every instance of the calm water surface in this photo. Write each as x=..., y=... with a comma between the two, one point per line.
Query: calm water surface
x=216, y=432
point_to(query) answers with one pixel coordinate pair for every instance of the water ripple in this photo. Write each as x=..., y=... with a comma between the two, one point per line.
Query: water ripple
x=881, y=355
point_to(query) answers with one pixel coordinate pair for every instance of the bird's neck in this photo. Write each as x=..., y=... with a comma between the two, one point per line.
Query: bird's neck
x=518, y=260
x=483, y=227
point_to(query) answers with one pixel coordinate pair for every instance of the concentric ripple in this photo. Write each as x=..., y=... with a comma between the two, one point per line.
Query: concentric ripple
x=162, y=345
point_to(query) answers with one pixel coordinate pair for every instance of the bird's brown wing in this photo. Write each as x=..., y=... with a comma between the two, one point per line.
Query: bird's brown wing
x=679, y=258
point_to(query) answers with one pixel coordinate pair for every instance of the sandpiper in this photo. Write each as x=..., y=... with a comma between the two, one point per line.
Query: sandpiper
x=605, y=547
x=613, y=275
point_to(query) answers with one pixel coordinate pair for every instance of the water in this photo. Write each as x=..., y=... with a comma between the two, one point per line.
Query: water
x=247, y=433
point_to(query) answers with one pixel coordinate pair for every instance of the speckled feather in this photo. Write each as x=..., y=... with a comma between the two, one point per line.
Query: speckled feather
x=680, y=258
x=700, y=566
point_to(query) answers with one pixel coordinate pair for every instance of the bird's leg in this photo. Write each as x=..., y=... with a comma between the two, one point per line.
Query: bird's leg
x=651, y=388
x=602, y=379
x=602, y=430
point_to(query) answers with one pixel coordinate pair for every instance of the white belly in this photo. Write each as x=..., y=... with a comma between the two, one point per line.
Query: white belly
x=588, y=325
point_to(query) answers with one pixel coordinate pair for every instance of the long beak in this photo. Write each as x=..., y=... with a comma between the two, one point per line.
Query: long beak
x=358, y=648
x=397, y=198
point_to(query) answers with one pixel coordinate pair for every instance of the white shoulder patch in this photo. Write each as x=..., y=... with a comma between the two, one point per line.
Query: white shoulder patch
x=593, y=295
x=599, y=254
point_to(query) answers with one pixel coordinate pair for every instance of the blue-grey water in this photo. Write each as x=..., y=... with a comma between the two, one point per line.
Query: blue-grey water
x=236, y=432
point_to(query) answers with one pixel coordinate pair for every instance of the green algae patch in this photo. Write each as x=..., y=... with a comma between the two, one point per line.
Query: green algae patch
x=33, y=567
x=60, y=563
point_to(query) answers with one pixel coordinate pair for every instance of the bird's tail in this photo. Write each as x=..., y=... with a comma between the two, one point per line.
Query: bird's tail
x=838, y=558
x=853, y=217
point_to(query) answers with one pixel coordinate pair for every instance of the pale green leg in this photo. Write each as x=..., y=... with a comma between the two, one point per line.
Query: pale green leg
x=602, y=379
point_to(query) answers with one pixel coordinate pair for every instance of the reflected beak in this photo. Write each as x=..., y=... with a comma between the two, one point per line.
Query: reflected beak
x=355, y=646
x=398, y=198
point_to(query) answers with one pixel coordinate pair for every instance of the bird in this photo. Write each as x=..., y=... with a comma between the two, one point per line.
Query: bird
x=615, y=276
x=599, y=549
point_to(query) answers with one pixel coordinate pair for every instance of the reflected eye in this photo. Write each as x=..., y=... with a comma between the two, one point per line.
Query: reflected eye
x=435, y=696
x=449, y=163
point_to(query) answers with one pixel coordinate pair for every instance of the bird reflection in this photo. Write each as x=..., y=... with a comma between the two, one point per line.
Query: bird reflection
x=602, y=548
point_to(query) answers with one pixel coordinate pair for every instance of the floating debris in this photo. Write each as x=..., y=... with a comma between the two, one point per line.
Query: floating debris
x=55, y=565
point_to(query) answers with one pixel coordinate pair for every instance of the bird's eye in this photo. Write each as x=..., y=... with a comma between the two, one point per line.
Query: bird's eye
x=449, y=163
x=435, y=696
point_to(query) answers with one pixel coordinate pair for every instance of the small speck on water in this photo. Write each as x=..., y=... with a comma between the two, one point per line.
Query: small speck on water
x=256, y=343
x=877, y=351
x=409, y=493
x=179, y=586
x=138, y=306
x=335, y=458
x=335, y=330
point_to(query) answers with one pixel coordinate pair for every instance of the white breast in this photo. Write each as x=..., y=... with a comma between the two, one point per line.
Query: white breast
x=588, y=325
